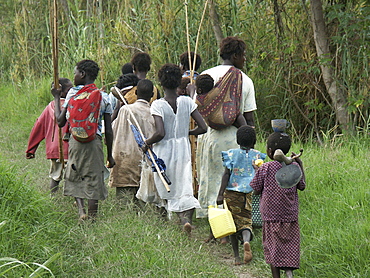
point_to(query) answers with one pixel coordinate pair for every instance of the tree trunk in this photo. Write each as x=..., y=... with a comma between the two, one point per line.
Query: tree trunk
x=337, y=95
x=215, y=21
x=279, y=27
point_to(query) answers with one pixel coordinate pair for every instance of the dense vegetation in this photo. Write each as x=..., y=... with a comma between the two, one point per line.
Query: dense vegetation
x=36, y=230
x=282, y=59
x=40, y=235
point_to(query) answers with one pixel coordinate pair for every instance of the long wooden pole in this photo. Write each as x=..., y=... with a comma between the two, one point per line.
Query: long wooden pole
x=192, y=123
x=142, y=135
x=199, y=28
x=188, y=43
x=54, y=15
x=192, y=69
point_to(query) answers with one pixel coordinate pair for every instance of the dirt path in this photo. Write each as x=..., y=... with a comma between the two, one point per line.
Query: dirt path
x=257, y=268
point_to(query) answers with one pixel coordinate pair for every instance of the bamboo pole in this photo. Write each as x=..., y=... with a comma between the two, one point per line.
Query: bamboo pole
x=191, y=68
x=54, y=21
x=142, y=135
x=198, y=34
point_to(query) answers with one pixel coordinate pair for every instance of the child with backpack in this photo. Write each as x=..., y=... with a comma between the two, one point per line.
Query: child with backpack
x=84, y=109
x=235, y=189
x=46, y=128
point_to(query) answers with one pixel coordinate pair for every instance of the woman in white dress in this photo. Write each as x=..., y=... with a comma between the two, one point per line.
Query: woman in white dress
x=171, y=143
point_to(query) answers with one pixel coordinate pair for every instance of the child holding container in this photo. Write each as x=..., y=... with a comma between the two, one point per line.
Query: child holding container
x=235, y=189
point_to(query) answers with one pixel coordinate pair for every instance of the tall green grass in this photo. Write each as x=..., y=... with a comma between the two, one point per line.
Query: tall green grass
x=283, y=64
x=335, y=211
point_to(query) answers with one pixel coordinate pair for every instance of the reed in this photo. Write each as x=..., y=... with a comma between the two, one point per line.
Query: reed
x=281, y=58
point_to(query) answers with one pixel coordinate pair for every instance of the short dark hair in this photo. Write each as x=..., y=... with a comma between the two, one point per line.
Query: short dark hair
x=127, y=68
x=204, y=82
x=90, y=67
x=141, y=61
x=184, y=60
x=169, y=76
x=278, y=140
x=64, y=82
x=145, y=89
x=128, y=79
x=230, y=46
x=184, y=82
x=246, y=136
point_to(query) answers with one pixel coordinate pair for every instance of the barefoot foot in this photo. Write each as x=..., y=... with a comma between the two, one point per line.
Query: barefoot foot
x=237, y=261
x=247, y=252
x=187, y=228
x=83, y=217
x=224, y=240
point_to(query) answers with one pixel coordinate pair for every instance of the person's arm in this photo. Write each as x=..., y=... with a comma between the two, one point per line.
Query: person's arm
x=116, y=110
x=190, y=89
x=60, y=114
x=201, y=124
x=302, y=183
x=239, y=121
x=224, y=182
x=257, y=181
x=158, y=134
x=37, y=134
x=255, y=192
x=109, y=139
x=249, y=118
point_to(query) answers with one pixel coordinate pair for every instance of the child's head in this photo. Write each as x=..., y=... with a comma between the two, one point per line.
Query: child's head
x=128, y=79
x=144, y=89
x=127, y=68
x=246, y=136
x=204, y=83
x=86, y=71
x=181, y=90
x=141, y=62
x=184, y=61
x=278, y=140
x=66, y=85
x=169, y=76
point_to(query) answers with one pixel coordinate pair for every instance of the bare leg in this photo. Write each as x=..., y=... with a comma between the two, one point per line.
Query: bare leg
x=53, y=186
x=81, y=209
x=225, y=240
x=246, y=234
x=186, y=219
x=93, y=208
x=289, y=273
x=235, y=245
x=211, y=237
x=275, y=271
x=189, y=215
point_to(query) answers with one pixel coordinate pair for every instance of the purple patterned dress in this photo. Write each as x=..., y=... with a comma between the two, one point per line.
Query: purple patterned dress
x=279, y=211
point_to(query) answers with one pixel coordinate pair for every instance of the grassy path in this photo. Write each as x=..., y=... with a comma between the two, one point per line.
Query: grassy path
x=122, y=238
x=334, y=216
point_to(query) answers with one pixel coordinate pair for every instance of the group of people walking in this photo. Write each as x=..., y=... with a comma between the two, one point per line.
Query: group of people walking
x=217, y=109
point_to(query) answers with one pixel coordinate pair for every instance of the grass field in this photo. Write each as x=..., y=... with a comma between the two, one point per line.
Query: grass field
x=41, y=237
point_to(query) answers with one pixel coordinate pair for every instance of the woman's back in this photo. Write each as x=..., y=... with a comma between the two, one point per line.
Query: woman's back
x=176, y=125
